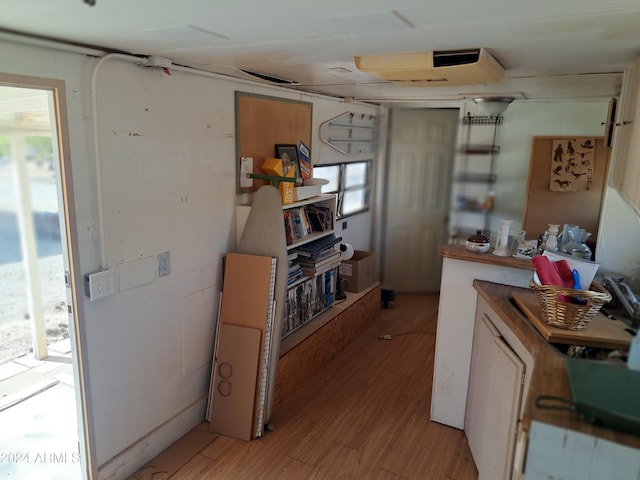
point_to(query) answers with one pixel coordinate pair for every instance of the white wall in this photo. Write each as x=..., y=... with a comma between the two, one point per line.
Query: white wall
x=358, y=232
x=619, y=238
x=167, y=168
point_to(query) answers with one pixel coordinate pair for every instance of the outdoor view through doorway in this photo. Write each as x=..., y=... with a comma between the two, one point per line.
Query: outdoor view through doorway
x=37, y=393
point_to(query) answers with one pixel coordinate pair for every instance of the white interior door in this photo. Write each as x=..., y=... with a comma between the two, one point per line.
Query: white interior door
x=417, y=186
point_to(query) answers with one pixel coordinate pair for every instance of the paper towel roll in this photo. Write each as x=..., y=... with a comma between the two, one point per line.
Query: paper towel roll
x=346, y=251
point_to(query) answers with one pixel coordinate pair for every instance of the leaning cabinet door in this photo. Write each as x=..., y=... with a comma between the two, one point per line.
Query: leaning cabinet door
x=493, y=402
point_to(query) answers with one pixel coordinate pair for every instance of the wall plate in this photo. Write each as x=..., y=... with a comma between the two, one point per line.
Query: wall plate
x=100, y=284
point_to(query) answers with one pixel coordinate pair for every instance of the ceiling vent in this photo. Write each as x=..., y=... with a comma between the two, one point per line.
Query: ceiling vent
x=442, y=68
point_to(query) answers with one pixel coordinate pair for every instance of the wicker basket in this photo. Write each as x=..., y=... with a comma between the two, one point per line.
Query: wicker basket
x=569, y=314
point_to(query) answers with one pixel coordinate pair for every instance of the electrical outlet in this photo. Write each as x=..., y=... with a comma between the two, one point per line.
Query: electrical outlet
x=164, y=264
x=100, y=284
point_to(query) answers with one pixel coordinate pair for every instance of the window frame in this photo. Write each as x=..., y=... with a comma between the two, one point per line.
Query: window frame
x=342, y=189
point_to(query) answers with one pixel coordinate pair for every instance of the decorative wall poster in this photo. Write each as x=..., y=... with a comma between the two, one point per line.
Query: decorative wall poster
x=572, y=165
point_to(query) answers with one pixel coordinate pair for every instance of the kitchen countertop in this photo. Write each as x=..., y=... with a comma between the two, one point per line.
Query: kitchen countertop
x=549, y=375
x=459, y=252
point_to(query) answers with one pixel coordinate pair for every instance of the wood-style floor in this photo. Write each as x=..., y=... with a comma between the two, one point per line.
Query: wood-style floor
x=366, y=416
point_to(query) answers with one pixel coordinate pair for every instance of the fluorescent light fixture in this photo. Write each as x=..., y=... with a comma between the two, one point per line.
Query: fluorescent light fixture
x=493, y=106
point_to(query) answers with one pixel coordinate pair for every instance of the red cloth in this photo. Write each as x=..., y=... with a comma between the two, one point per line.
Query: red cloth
x=553, y=273
x=564, y=270
x=547, y=273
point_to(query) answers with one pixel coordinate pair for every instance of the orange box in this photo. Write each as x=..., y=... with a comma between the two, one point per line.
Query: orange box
x=287, y=188
x=273, y=166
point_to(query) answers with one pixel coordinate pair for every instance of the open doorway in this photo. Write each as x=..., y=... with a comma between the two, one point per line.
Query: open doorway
x=38, y=391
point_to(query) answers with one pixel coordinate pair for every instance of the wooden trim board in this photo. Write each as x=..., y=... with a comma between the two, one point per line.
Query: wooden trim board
x=602, y=332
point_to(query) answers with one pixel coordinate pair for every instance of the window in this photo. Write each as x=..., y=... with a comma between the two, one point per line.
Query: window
x=350, y=180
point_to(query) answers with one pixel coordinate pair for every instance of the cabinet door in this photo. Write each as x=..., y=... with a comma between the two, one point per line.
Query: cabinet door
x=478, y=393
x=493, y=402
x=626, y=143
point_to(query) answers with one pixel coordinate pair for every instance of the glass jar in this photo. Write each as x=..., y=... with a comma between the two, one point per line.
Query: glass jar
x=577, y=246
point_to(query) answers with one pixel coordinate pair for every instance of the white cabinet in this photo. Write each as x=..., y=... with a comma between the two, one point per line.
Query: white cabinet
x=494, y=399
x=626, y=143
x=556, y=452
x=454, y=335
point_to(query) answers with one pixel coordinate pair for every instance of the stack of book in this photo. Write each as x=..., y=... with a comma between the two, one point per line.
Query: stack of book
x=319, y=256
x=314, y=266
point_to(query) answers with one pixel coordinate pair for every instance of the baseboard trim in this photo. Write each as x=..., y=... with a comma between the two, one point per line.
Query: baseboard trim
x=148, y=447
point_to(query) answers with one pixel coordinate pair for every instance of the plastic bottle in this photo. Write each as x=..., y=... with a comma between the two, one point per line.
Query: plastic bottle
x=633, y=360
x=490, y=199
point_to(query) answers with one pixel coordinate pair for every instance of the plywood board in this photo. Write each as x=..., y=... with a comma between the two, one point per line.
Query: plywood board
x=602, y=332
x=236, y=370
x=247, y=283
x=543, y=206
x=248, y=300
x=262, y=122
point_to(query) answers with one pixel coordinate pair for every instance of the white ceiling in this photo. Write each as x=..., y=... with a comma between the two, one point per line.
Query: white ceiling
x=549, y=48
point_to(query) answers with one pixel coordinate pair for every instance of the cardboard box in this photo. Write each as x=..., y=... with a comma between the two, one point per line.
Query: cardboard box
x=287, y=189
x=272, y=166
x=359, y=272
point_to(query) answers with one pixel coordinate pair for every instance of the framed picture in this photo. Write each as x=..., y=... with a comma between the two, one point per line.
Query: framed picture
x=289, y=156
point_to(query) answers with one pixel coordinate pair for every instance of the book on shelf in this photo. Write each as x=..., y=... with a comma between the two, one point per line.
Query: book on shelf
x=306, y=300
x=304, y=159
x=295, y=271
x=295, y=276
x=299, y=229
x=288, y=228
x=318, y=246
x=299, y=222
x=320, y=217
